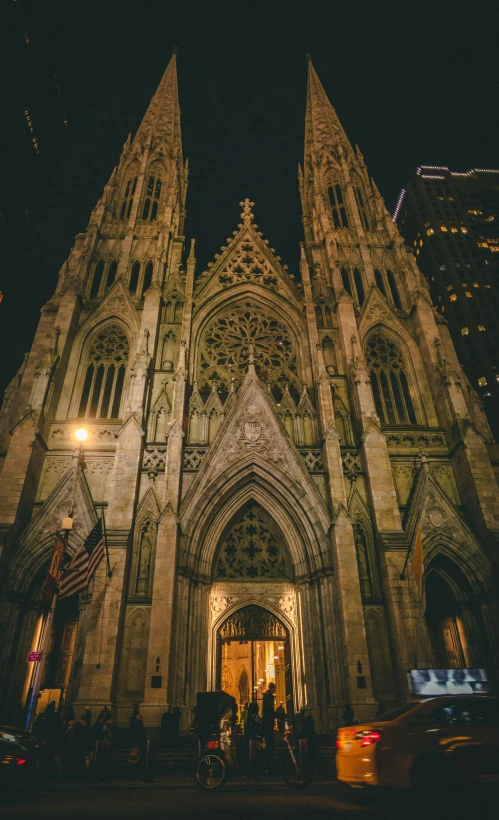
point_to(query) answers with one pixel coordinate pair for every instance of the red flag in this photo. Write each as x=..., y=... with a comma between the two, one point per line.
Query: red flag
x=52, y=579
x=417, y=561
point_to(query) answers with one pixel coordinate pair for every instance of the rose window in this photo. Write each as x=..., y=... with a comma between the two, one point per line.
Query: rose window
x=226, y=342
x=251, y=550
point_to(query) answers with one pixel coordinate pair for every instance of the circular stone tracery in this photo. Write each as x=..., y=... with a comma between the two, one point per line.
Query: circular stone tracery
x=226, y=340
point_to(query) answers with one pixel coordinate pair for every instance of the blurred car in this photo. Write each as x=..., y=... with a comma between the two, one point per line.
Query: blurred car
x=19, y=755
x=442, y=743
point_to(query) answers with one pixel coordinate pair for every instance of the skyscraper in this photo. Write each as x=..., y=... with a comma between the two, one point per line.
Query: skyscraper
x=452, y=222
x=268, y=448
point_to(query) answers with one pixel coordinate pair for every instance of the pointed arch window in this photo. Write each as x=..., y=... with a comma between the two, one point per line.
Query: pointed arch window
x=359, y=286
x=394, y=290
x=345, y=278
x=105, y=368
x=134, y=277
x=97, y=279
x=152, y=197
x=126, y=205
x=338, y=208
x=147, y=277
x=389, y=381
x=111, y=274
x=362, y=209
x=380, y=281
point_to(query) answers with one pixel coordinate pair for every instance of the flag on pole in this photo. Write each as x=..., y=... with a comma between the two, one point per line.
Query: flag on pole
x=83, y=565
x=417, y=561
x=51, y=581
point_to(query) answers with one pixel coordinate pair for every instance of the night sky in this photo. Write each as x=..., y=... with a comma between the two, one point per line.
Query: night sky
x=413, y=83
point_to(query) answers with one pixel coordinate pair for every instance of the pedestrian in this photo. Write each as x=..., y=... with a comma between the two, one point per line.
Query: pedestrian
x=244, y=715
x=107, y=749
x=105, y=714
x=268, y=721
x=348, y=715
x=309, y=734
x=167, y=722
x=253, y=708
x=139, y=740
x=177, y=716
x=79, y=747
x=280, y=714
x=135, y=712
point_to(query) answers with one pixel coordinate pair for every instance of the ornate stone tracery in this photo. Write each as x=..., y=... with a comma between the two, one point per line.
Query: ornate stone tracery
x=251, y=550
x=252, y=622
x=224, y=348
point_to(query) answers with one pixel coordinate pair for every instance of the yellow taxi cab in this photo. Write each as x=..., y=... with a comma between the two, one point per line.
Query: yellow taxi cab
x=439, y=742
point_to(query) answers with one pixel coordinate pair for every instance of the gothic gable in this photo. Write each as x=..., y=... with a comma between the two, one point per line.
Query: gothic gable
x=377, y=310
x=252, y=433
x=247, y=260
x=116, y=302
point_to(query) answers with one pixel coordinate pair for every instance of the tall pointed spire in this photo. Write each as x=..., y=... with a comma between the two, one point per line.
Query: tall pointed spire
x=322, y=126
x=162, y=118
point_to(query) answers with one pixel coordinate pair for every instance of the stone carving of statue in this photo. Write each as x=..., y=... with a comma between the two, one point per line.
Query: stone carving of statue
x=144, y=563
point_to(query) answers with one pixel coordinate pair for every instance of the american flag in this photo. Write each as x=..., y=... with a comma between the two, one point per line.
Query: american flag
x=83, y=565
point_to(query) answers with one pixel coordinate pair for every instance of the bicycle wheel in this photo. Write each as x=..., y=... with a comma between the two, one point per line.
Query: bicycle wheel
x=211, y=772
x=295, y=769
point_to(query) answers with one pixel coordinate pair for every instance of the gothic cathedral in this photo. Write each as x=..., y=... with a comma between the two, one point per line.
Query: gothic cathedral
x=267, y=449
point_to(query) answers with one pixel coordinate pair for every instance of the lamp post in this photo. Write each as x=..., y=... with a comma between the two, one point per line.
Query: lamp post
x=67, y=525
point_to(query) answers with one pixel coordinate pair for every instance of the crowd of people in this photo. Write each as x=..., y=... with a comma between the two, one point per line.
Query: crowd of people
x=69, y=745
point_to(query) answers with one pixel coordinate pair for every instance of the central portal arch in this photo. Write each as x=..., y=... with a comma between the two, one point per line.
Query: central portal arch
x=253, y=650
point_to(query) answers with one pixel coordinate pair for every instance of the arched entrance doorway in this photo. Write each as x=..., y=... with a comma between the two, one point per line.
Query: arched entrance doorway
x=253, y=650
x=449, y=618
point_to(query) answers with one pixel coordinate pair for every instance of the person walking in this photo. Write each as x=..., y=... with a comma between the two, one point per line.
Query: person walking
x=167, y=721
x=177, y=716
x=107, y=749
x=348, y=715
x=138, y=740
x=280, y=714
x=268, y=720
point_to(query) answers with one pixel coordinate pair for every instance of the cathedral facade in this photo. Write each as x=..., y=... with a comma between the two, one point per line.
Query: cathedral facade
x=267, y=450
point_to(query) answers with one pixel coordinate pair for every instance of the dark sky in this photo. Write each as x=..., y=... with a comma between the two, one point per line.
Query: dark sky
x=412, y=83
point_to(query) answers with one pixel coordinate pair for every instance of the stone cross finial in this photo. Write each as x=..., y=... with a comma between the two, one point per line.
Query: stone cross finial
x=246, y=215
x=251, y=357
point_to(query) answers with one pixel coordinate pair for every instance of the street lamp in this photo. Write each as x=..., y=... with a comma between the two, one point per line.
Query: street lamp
x=81, y=435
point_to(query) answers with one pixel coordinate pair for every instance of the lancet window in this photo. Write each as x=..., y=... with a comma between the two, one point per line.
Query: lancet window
x=134, y=277
x=394, y=290
x=338, y=208
x=359, y=286
x=146, y=284
x=345, y=278
x=152, y=196
x=111, y=273
x=105, y=369
x=354, y=286
x=126, y=205
x=224, y=351
x=389, y=381
x=97, y=279
x=380, y=282
x=362, y=209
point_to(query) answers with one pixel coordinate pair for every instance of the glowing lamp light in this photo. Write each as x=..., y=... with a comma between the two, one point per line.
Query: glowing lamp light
x=81, y=434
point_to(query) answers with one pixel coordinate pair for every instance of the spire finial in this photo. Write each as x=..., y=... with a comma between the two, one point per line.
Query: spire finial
x=251, y=357
x=246, y=214
x=309, y=57
x=175, y=51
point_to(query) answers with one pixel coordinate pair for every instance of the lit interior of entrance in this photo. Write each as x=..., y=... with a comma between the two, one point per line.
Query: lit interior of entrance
x=249, y=666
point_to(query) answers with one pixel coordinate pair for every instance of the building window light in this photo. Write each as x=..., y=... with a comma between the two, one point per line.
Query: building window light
x=453, y=297
x=468, y=294
x=476, y=285
x=464, y=230
x=441, y=197
x=426, y=224
x=490, y=218
x=495, y=249
x=481, y=328
x=430, y=231
x=497, y=377
x=482, y=245
x=443, y=267
x=450, y=287
x=443, y=228
x=464, y=331
x=475, y=212
x=451, y=199
x=482, y=381
x=487, y=286
x=454, y=230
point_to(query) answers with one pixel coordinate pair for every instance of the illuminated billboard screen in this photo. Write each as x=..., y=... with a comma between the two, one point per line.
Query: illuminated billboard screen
x=432, y=682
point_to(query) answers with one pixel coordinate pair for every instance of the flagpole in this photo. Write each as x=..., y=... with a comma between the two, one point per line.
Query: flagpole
x=67, y=525
x=109, y=573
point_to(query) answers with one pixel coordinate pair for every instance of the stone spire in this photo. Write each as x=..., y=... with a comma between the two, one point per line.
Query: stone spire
x=162, y=119
x=323, y=129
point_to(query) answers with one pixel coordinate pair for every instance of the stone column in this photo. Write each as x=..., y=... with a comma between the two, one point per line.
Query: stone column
x=346, y=584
